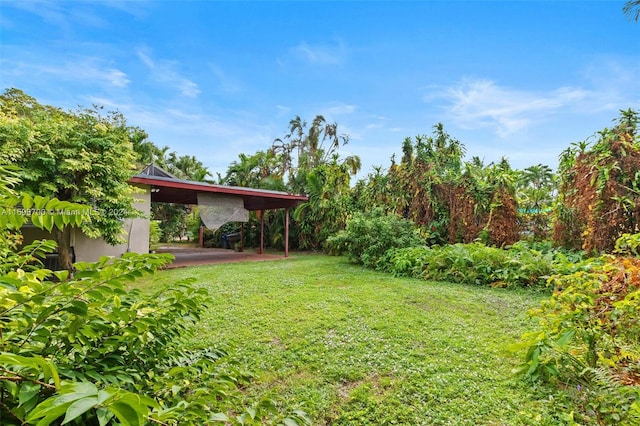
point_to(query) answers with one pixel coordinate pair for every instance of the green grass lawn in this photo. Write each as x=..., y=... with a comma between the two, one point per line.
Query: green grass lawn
x=356, y=347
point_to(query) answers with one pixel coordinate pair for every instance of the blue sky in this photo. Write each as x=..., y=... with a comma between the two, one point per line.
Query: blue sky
x=520, y=79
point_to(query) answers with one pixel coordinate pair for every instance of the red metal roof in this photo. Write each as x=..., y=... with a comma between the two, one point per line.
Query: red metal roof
x=179, y=191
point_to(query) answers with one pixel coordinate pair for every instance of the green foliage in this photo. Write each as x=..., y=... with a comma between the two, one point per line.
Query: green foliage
x=83, y=157
x=452, y=201
x=108, y=345
x=172, y=220
x=369, y=235
x=536, y=197
x=155, y=234
x=325, y=213
x=628, y=245
x=588, y=341
x=521, y=265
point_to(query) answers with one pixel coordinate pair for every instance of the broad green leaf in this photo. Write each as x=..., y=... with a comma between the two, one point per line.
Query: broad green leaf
x=219, y=417
x=52, y=204
x=27, y=201
x=40, y=202
x=36, y=219
x=46, y=312
x=126, y=414
x=104, y=416
x=565, y=337
x=61, y=275
x=27, y=391
x=47, y=411
x=59, y=221
x=77, y=307
x=47, y=221
x=80, y=407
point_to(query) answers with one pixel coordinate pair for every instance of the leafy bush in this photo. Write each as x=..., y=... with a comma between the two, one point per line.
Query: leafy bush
x=369, y=235
x=588, y=341
x=519, y=266
x=628, y=245
x=155, y=234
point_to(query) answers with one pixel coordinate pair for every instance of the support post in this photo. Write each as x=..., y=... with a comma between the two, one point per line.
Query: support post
x=286, y=232
x=201, y=236
x=242, y=236
x=261, y=232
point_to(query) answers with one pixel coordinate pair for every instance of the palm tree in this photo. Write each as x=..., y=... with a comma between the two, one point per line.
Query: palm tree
x=632, y=9
x=315, y=145
x=537, y=185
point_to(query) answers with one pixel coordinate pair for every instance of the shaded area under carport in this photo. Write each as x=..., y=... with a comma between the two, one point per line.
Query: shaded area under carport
x=166, y=188
x=190, y=256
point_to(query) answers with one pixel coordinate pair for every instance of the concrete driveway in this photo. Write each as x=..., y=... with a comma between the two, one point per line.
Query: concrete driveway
x=188, y=256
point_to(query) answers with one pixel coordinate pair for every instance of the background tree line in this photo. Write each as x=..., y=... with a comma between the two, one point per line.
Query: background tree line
x=87, y=156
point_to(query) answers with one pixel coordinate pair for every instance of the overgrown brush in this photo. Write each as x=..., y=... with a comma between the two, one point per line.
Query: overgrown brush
x=522, y=265
x=588, y=341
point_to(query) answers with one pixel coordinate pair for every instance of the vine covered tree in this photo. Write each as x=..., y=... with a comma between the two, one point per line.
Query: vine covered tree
x=451, y=200
x=599, y=194
x=83, y=157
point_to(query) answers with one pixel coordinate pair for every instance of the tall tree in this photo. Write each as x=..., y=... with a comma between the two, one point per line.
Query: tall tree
x=310, y=163
x=314, y=145
x=84, y=157
x=260, y=170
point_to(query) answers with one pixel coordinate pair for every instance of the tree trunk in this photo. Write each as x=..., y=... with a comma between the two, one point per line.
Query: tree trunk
x=64, y=251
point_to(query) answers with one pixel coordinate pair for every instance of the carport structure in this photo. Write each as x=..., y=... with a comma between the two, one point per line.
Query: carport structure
x=166, y=188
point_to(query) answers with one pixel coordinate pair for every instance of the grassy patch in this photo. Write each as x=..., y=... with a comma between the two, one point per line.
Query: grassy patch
x=354, y=346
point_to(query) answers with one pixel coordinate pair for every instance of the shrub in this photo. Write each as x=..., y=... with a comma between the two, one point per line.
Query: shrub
x=588, y=341
x=369, y=235
x=519, y=266
x=155, y=234
x=628, y=245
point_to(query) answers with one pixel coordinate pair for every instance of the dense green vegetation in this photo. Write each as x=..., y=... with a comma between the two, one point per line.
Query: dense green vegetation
x=83, y=157
x=587, y=339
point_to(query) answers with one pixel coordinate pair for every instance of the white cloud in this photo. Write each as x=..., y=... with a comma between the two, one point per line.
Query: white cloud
x=477, y=104
x=86, y=70
x=215, y=140
x=226, y=84
x=67, y=16
x=321, y=54
x=339, y=109
x=117, y=78
x=164, y=72
x=616, y=82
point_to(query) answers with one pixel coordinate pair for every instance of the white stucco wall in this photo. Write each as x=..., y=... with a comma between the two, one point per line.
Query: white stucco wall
x=137, y=230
